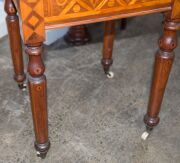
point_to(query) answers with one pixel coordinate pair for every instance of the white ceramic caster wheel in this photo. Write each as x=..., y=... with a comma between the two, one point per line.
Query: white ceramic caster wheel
x=110, y=75
x=145, y=135
x=23, y=86
x=41, y=155
x=38, y=153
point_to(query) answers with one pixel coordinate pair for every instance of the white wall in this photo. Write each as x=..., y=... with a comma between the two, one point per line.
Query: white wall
x=3, y=30
x=51, y=35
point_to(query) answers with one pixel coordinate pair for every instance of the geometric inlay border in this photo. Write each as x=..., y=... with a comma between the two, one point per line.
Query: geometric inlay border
x=66, y=9
x=32, y=14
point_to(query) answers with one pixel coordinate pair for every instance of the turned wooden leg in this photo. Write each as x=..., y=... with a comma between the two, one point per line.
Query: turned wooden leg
x=109, y=32
x=162, y=67
x=77, y=35
x=15, y=42
x=38, y=96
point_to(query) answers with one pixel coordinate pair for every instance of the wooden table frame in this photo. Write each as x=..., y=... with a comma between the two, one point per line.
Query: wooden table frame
x=39, y=15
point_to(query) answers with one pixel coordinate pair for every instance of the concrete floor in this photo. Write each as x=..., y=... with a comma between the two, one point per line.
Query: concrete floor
x=93, y=119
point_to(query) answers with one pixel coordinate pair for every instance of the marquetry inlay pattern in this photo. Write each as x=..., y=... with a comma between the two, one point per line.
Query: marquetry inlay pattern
x=32, y=20
x=38, y=15
x=67, y=8
x=176, y=10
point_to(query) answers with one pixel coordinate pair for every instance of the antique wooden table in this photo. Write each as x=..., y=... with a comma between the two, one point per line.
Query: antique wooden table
x=39, y=15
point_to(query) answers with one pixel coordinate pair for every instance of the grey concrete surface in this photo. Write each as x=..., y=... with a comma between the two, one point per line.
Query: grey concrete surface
x=93, y=119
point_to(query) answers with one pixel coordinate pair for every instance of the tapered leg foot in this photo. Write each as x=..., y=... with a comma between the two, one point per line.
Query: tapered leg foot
x=151, y=121
x=162, y=67
x=106, y=66
x=42, y=149
x=107, y=61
